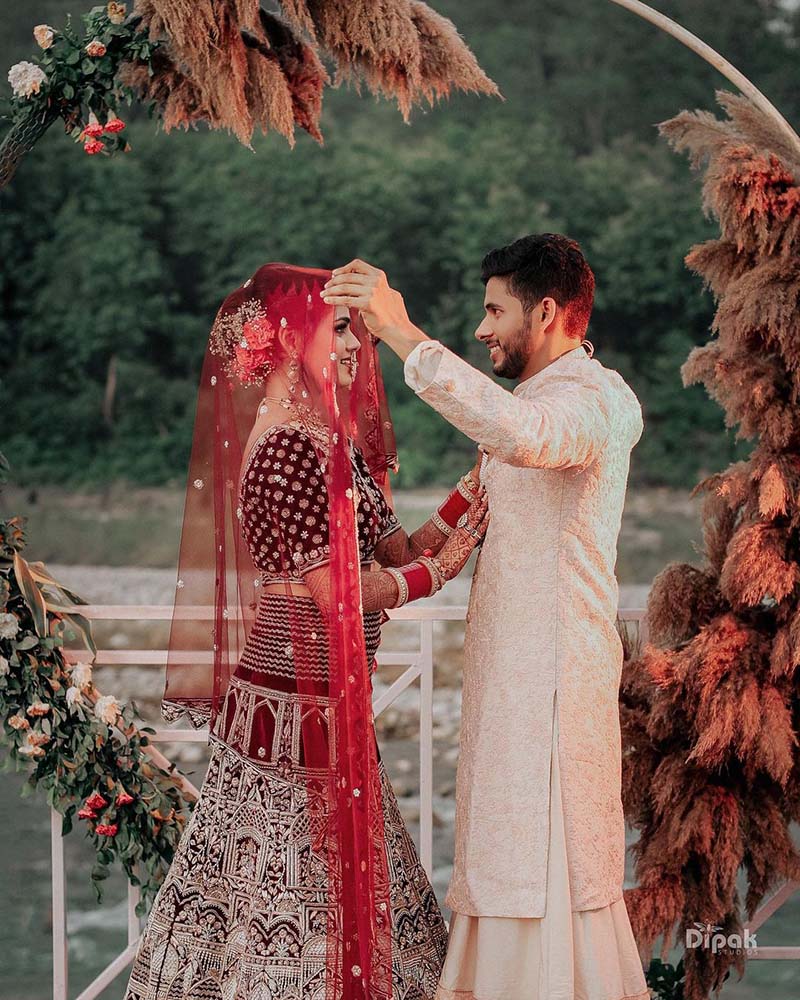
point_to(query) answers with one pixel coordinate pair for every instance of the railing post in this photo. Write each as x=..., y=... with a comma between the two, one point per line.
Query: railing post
x=426, y=746
x=133, y=921
x=60, y=962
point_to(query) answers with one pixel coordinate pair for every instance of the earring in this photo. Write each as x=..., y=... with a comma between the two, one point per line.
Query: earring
x=588, y=346
x=293, y=372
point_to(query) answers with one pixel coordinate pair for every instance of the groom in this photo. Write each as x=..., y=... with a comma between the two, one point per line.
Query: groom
x=542, y=656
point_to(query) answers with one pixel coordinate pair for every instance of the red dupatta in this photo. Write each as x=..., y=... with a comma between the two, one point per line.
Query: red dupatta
x=217, y=572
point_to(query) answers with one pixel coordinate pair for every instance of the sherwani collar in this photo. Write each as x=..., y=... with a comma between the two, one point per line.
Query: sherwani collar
x=569, y=357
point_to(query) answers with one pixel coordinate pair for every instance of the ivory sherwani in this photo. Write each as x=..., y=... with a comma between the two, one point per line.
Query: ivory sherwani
x=540, y=633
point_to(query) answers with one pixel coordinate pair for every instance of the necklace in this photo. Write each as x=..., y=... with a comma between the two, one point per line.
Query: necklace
x=306, y=414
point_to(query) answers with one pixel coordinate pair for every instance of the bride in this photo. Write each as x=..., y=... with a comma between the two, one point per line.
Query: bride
x=296, y=878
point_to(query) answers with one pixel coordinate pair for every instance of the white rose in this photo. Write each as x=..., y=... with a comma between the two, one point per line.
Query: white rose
x=5, y=668
x=26, y=78
x=73, y=696
x=107, y=709
x=81, y=675
x=9, y=626
x=30, y=748
x=44, y=35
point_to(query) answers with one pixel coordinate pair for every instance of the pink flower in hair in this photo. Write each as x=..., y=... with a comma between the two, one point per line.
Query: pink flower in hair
x=255, y=347
x=259, y=333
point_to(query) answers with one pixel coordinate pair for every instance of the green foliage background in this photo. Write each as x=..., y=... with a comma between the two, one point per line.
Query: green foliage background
x=112, y=269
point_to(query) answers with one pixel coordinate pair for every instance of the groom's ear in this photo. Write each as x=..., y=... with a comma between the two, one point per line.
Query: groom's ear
x=548, y=309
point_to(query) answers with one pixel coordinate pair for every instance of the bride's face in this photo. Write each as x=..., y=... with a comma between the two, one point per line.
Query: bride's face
x=341, y=356
x=346, y=348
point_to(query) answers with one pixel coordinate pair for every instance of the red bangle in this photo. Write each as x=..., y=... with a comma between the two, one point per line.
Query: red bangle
x=454, y=506
x=419, y=580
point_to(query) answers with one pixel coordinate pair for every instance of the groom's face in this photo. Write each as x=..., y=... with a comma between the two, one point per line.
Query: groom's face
x=506, y=330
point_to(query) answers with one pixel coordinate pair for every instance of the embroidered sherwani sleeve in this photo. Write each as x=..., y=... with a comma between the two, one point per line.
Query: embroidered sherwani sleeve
x=563, y=421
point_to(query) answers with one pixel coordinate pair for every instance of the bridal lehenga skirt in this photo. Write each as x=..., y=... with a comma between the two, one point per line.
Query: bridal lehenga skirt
x=565, y=955
x=242, y=912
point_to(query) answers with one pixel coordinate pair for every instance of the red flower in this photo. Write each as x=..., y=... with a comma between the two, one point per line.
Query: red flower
x=123, y=799
x=87, y=813
x=92, y=146
x=248, y=362
x=92, y=130
x=258, y=333
x=114, y=125
x=95, y=801
x=107, y=829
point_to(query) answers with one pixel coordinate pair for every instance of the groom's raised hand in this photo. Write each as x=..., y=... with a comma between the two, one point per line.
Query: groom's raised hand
x=361, y=286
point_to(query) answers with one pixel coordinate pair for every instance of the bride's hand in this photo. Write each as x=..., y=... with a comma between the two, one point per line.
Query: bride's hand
x=465, y=538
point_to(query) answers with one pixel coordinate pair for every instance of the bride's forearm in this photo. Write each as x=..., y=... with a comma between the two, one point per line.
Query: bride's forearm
x=379, y=590
x=428, y=536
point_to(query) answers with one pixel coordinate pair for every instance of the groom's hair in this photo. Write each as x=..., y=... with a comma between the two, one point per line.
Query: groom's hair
x=546, y=264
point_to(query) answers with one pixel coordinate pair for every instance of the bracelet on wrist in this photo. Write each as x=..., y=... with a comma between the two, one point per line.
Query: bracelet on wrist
x=435, y=570
x=468, y=488
x=456, y=504
x=413, y=581
x=402, y=586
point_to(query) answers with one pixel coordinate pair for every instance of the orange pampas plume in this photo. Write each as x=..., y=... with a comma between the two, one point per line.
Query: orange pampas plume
x=445, y=59
x=709, y=709
x=400, y=48
x=237, y=66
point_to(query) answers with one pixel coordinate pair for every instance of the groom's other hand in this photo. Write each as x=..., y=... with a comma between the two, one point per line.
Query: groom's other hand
x=361, y=286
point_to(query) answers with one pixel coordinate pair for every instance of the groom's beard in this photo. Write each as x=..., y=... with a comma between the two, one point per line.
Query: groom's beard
x=516, y=352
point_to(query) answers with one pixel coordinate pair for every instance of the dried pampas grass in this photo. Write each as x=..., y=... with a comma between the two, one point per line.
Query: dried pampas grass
x=712, y=774
x=243, y=67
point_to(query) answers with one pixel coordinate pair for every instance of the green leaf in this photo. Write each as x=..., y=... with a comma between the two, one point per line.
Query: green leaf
x=28, y=642
x=68, y=91
x=31, y=594
x=84, y=628
x=73, y=57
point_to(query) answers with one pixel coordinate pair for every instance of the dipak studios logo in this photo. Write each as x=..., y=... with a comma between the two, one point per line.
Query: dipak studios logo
x=710, y=936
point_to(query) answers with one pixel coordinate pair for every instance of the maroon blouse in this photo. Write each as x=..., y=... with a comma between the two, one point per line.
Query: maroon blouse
x=284, y=505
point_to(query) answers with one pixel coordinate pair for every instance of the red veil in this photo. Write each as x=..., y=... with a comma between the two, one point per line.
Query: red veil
x=217, y=593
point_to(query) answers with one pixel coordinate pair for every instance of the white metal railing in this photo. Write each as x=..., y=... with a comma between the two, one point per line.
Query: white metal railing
x=419, y=666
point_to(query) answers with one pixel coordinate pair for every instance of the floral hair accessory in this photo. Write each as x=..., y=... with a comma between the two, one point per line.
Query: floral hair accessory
x=245, y=339
x=254, y=350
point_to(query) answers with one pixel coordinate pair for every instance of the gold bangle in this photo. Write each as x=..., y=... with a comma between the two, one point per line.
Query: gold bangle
x=463, y=488
x=402, y=585
x=437, y=577
x=441, y=524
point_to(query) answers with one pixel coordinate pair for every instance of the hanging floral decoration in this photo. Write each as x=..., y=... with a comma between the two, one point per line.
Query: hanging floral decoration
x=230, y=64
x=84, y=750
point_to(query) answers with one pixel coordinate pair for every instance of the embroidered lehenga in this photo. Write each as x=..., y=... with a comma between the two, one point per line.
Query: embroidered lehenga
x=263, y=898
x=245, y=898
